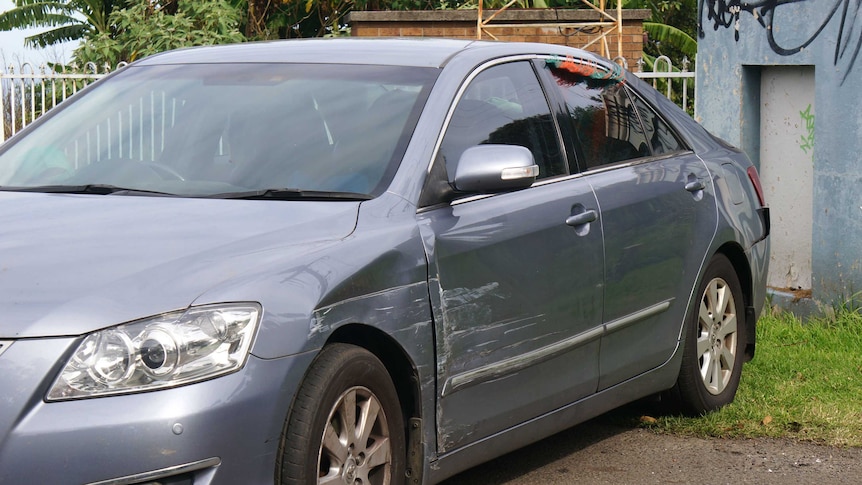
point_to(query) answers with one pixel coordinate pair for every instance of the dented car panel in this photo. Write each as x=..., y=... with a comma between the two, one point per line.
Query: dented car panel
x=512, y=285
x=171, y=298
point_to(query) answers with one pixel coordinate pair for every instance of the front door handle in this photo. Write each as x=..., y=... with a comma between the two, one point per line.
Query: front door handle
x=585, y=217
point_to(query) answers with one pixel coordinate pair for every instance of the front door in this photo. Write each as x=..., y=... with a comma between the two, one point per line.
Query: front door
x=517, y=290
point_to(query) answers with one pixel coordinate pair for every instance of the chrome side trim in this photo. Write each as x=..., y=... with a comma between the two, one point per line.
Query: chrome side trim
x=538, y=183
x=4, y=345
x=623, y=322
x=163, y=473
x=518, y=362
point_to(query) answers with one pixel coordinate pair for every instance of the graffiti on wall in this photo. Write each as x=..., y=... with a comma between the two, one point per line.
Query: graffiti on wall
x=806, y=142
x=846, y=15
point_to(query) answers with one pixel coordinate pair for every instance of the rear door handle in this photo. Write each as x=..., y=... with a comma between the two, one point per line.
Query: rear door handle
x=585, y=217
x=695, y=186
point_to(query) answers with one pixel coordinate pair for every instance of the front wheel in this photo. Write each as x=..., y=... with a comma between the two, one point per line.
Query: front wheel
x=346, y=425
x=714, y=342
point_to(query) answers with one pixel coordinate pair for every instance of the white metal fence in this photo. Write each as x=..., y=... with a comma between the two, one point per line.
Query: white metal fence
x=28, y=92
x=676, y=84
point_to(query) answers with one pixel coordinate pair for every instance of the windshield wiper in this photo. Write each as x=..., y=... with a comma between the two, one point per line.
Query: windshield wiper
x=97, y=189
x=271, y=194
x=292, y=194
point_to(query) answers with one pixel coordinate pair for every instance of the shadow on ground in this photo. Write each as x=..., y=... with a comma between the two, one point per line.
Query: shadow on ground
x=613, y=449
x=514, y=465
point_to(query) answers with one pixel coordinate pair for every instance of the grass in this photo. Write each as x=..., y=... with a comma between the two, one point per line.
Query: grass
x=805, y=383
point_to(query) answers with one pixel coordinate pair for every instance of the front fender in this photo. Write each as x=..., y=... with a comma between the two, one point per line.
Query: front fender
x=376, y=276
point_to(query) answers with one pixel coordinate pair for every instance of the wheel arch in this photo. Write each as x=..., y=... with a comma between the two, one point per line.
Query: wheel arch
x=395, y=360
x=398, y=363
x=736, y=254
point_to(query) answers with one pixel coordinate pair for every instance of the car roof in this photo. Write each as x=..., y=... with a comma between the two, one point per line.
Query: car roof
x=413, y=51
x=419, y=52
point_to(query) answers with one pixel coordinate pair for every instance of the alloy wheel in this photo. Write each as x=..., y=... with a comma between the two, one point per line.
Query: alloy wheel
x=717, y=335
x=355, y=448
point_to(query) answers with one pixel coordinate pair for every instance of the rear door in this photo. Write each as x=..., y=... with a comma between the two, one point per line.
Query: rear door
x=516, y=290
x=658, y=217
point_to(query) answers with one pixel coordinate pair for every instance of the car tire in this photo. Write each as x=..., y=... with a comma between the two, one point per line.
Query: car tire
x=345, y=424
x=714, y=346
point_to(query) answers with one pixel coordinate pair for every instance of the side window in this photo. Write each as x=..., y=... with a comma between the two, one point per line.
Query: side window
x=604, y=120
x=661, y=137
x=505, y=105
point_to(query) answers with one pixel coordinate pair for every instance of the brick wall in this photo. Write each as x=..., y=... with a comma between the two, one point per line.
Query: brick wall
x=513, y=25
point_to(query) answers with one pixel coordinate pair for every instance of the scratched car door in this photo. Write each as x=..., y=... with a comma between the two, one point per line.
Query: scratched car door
x=515, y=277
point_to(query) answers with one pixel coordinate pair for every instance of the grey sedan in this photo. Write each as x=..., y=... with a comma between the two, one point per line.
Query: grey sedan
x=360, y=262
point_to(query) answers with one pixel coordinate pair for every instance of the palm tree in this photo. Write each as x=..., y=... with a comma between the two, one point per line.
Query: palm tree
x=65, y=19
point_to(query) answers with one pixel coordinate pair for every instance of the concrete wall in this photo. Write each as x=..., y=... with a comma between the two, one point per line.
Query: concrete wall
x=816, y=181
x=786, y=170
x=513, y=25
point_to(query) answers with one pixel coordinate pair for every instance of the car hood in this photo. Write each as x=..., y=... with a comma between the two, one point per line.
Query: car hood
x=70, y=264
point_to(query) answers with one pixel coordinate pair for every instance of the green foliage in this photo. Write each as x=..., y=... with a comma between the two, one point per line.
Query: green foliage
x=672, y=30
x=679, y=13
x=844, y=308
x=671, y=37
x=268, y=19
x=493, y=4
x=304, y=18
x=65, y=19
x=142, y=29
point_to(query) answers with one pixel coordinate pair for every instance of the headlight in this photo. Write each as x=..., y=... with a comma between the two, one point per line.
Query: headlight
x=158, y=352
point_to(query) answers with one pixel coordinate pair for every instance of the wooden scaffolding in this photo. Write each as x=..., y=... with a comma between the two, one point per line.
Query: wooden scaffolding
x=610, y=22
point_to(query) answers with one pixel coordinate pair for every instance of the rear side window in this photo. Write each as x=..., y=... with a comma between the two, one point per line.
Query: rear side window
x=606, y=119
x=661, y=137
x=505, y=105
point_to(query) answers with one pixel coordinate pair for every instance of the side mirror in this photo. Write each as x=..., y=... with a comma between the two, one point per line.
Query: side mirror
x=495, y=168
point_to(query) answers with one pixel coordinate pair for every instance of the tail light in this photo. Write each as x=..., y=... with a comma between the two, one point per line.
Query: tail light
x=763, y=212
x=755, y=181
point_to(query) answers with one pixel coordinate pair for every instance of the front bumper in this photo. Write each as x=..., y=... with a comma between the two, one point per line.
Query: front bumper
x=222, y=431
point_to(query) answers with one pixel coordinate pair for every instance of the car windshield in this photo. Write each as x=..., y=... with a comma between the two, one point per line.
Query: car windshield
x=231, y=130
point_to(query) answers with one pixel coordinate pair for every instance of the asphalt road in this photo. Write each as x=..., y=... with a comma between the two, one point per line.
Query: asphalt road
x=602, y=451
